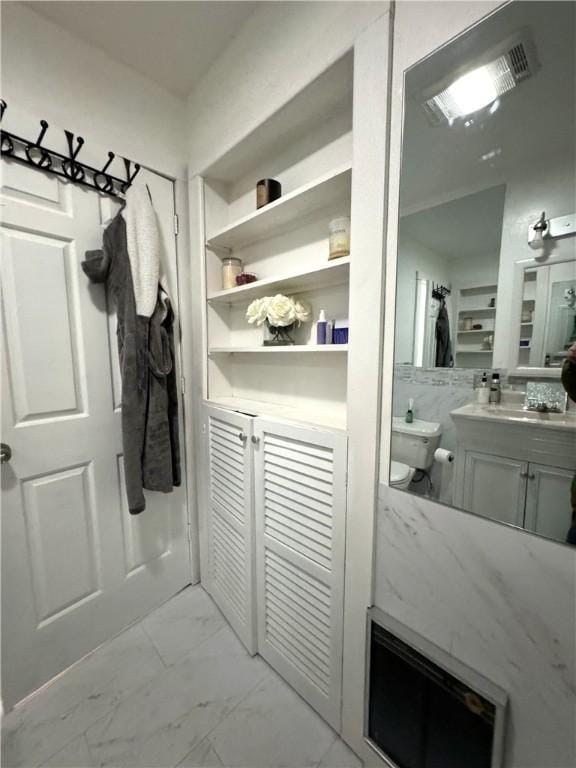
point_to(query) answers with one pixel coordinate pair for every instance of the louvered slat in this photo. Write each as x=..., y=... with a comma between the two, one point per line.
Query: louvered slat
x=299, y=523
x=230, y=520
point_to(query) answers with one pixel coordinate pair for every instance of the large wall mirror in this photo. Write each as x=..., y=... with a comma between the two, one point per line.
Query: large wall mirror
x=486, y=273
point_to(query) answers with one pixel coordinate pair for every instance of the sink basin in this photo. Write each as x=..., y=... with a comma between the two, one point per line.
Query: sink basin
x=508, y=413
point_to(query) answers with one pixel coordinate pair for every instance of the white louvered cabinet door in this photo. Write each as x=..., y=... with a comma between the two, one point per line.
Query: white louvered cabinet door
x=231, y=579
x=300, y=502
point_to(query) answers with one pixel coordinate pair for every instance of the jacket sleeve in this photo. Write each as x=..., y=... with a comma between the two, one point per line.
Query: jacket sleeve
x=97, y=263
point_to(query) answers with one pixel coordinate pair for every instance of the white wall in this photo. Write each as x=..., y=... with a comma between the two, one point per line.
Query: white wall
x=280, y=49
x=51, y=74
x=500, y=600
x=414, y=257
x=482, y=270
x=549, y=186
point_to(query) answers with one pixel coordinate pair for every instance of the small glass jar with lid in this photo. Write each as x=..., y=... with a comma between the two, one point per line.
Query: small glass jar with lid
x=339, y=237
x=231, y=266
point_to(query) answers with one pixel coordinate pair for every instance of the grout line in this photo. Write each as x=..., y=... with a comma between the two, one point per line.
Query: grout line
x=234, y=708
x=334, y=740
x=154, y=646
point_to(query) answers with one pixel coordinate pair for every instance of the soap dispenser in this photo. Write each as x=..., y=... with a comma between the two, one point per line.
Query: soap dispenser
x=495, y=393
x=483, y=391
x=409, y=418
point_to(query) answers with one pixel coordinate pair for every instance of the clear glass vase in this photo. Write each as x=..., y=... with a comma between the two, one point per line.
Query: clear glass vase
x=278, y=336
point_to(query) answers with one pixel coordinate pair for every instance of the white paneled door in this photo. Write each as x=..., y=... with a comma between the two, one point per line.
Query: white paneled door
x=300, y=493
x=230, y=505
x=76, y=567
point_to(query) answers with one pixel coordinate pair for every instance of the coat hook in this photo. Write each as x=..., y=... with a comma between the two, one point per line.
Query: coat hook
x=36, y=154
x=73, y=170
x=44, y=125
x=129, y=178
x=70, y=139
x=107, y=185
x=111, y=157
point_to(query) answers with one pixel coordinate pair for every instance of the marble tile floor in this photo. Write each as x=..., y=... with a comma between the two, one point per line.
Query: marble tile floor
x=176, y=689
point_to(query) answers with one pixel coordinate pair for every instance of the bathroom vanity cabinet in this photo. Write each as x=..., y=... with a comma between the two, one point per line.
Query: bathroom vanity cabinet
x=516, y=468
x=533, y=496
x=276, y=495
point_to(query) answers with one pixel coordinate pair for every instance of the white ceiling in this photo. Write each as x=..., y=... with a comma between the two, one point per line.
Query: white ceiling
x=172, y=43
x=535, y=121
x=469, y=227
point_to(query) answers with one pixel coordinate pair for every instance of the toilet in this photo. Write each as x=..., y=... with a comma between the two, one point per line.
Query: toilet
x=413, y=447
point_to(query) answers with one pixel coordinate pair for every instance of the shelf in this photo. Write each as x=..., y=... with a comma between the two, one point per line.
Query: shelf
x=474, y=351
x=477, y=330
x=332, y=190
x=333, y=417
x=335, y=272
x=476, y=309
x=294, y=349
x=318, y=102
x=480, y=288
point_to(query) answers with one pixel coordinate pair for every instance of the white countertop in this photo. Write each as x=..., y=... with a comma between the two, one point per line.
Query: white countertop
x=507, y=413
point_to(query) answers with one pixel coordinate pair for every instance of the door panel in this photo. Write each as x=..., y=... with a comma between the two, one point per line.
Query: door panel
x=230, y=579
x=58, y=508
x=548, y=506
x=300, y=495
x=495, y=487
x=76, y=567
x=40, y=336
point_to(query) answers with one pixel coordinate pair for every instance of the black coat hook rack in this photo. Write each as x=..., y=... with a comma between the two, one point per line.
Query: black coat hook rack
x=440, y=292
x=33, y=153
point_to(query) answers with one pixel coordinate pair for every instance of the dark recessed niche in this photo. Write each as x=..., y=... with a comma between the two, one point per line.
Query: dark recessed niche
x=421, y=716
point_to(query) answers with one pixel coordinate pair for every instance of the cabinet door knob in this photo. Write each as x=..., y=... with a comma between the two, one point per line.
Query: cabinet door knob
x=528, y=475
x=242, y=437
x=255, y=440
x=5, y=453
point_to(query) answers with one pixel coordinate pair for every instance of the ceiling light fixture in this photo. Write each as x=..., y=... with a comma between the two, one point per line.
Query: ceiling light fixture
x=497, y=73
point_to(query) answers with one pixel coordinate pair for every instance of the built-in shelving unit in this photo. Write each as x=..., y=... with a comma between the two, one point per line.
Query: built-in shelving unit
x=473, y=300
x=528, y=305
x=323, y=276
x=307, y=147
x=332, y=415
x=295, y=349
x=330, y=193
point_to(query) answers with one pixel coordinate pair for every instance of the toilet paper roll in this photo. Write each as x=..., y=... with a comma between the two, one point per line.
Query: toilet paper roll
x=442, y=456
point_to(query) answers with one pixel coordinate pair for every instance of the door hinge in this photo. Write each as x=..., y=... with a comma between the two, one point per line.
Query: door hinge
x=183, y=385
x=176, y=224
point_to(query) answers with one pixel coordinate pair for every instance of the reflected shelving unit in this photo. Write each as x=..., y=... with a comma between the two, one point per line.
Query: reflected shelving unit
x=472, y=301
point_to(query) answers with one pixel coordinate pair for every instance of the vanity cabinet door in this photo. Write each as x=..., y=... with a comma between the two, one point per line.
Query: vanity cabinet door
x=495, y=487
x=548, y=507
x=300, y=493
x=230, y=519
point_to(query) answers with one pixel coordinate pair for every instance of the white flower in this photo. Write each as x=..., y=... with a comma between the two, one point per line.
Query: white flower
x=281, y=311
x=302, y=311
x=256, y=312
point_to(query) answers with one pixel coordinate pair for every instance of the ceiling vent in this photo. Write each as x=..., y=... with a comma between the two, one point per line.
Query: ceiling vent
x=480, y=84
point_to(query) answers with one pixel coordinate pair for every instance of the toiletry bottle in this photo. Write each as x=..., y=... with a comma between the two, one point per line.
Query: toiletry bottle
x=409, y=418
x=483, y=391
x=495, y=389
x=321, y=328
x=330, y=332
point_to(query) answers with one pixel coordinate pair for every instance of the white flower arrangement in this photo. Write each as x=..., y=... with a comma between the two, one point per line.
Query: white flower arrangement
x=279, y=311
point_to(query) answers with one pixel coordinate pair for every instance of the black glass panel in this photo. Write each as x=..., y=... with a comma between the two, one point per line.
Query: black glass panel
x=422, y=717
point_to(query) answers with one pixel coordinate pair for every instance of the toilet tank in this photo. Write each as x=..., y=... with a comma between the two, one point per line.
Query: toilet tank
x=414, y=444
